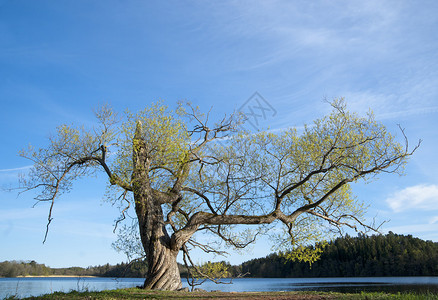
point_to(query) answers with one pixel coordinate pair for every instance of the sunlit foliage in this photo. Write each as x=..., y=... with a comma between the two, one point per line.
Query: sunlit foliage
x=183, y=175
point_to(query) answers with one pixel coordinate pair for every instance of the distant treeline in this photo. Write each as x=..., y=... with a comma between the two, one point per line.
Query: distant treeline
x=31, y=268
x=377, y=255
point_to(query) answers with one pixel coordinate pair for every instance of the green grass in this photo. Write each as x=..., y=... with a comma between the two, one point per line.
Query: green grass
x=134, y=293
x=404, y=296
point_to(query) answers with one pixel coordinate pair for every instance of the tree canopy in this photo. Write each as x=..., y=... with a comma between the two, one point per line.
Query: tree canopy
x=183, y=174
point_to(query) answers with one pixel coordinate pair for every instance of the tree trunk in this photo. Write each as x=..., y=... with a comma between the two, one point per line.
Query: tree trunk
x=163, y=270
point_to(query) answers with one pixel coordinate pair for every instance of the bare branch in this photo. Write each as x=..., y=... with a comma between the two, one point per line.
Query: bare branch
x=123, y=217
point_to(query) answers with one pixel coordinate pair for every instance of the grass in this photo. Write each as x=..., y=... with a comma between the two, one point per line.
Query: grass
x=134, y=293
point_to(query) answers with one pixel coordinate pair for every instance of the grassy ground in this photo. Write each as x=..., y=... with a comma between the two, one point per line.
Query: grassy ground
x=134, y=293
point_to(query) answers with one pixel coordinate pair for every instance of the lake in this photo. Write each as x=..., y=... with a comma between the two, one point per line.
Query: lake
x=24, y=287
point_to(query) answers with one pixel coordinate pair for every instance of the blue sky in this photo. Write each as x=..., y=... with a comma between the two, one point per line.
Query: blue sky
x=61, y=59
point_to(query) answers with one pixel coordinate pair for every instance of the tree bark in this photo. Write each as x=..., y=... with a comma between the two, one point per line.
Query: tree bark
x=163, y=272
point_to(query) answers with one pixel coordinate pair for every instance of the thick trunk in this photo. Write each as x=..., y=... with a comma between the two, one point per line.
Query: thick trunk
x=163, y=270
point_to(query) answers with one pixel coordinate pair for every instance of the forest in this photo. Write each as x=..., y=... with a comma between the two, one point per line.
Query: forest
x=376, y=255
x=32, y=268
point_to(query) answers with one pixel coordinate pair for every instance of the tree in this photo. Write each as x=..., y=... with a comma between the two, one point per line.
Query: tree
x=183, y=175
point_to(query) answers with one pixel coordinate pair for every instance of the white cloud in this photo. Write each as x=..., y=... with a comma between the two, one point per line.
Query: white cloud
x=16, y=169
x=292, y=29
x=82, y=228
x=433, y=220
x=416, y=230
x=388, y=106
x=10, y=176
x=419, y=197
x=427, y=232
x=23, y=214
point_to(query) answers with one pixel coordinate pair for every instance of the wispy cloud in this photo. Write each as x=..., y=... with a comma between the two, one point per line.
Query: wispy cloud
x=414, y=229
x=367, y=27
x=370, y=52
x=11, y=176
x=23, y=214
x=34, y=219
x=388, y=106
x=16, y=169
x=418, y=197
x=84, y=228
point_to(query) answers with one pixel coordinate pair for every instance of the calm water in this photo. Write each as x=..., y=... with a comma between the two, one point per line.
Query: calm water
x=24, y=287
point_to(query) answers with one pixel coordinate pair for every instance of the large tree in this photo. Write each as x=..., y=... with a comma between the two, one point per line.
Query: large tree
x=184, y=175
